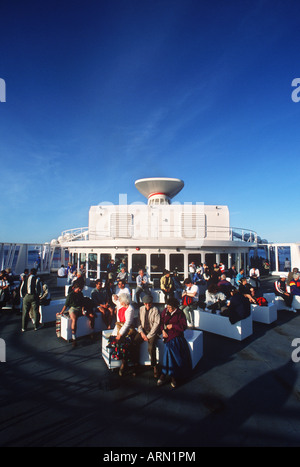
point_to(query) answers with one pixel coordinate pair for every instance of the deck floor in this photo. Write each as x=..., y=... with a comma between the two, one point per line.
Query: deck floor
x=240, y=394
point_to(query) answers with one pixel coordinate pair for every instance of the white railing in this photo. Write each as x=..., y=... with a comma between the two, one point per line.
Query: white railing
x=164, y=231
x=80, y=233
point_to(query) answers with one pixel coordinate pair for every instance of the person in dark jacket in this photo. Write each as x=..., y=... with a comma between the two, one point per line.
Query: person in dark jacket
x=239, y=307
x=177, y=358
x=31, y=289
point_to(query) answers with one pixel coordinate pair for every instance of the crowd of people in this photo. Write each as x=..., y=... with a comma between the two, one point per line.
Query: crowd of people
x=25, y=292
x=216, y=290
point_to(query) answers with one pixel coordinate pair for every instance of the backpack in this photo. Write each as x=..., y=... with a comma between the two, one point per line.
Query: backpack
x=187, y=300
x=261, y=301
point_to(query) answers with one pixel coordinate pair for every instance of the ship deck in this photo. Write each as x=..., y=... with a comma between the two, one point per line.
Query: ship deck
x=240, y=394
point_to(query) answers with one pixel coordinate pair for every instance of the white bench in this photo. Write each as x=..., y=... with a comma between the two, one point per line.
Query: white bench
x=61, y=281
x=83, y=326
x=264, y=314
x=195, y=342
x=194, y=339
x=221, y=325
x=48, y=312
x=280, y=303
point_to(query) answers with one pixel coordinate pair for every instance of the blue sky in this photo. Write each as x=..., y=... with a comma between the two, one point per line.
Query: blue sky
x=101, y=93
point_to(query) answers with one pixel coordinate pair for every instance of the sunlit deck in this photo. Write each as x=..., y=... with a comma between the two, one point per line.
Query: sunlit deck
x=240, y=394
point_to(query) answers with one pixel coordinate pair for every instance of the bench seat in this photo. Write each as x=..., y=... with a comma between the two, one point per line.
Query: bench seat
x=217, y=324
x=83, y=326
x=194, y=339
x=280, y=303
x=48, y=312
x=61, y=281
x=264, y=314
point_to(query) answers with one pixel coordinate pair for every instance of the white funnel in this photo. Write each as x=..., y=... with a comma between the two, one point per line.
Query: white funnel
x=159, y=190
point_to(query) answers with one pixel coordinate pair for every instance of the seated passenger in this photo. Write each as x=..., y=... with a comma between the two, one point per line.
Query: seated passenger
x=290, y=276
x=74, y=304
x=120, y=342
x=101, y=302
x=238, y=308
x=166, y=285
x=148, y=329
x=4, y=289
x=240, y=276
x=281, y=291
x=254, y=275
x=247, y=290
x=224, y=286
x=214, y=299
x=62, y=272
x=122, y=275
x=295, y=284
x=142, y=285
x=190, y=299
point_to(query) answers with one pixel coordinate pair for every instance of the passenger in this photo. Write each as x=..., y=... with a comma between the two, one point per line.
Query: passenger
x=239, y=277
x=190, y=298
x=122, y=288
x=192, y=269
x=216, y=273
x=238, y=308
x=83, y=273
x=101, y=302
x=225, y=286
x=120, y=342
x=177, y=359
x=177, y=286
x=4, y=289
x=148, y=329
x=62, y=272
x=215, y=300
x=45, y=296
x=222, y=268
x=142, y=285
x=122, y=275
x=31, y=289
x=231, y=273
x=198, y=277
x=111, y=270
x=287, y=265
x=89, y=311
x=247, y=290
x=71, y=273
x=167, y=285
x=281, y=291
x=80, y=279
x=290, y=276
x=295, y=284
x=254, y=277
x=206, y=275
x=74, y=304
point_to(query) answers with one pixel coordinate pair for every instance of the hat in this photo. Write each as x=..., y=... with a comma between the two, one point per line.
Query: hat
x=147, y=299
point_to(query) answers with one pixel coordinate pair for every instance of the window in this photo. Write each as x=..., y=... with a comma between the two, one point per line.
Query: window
x=177, y=264
x=284, y=258
x=104, y=261
x=157, y=265
x=138, y=262
x=92, y=265
x=121, y=259
x=196, y=257
x=210, y=259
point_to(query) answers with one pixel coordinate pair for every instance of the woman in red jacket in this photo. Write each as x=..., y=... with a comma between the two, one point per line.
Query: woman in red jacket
x=177, y=357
